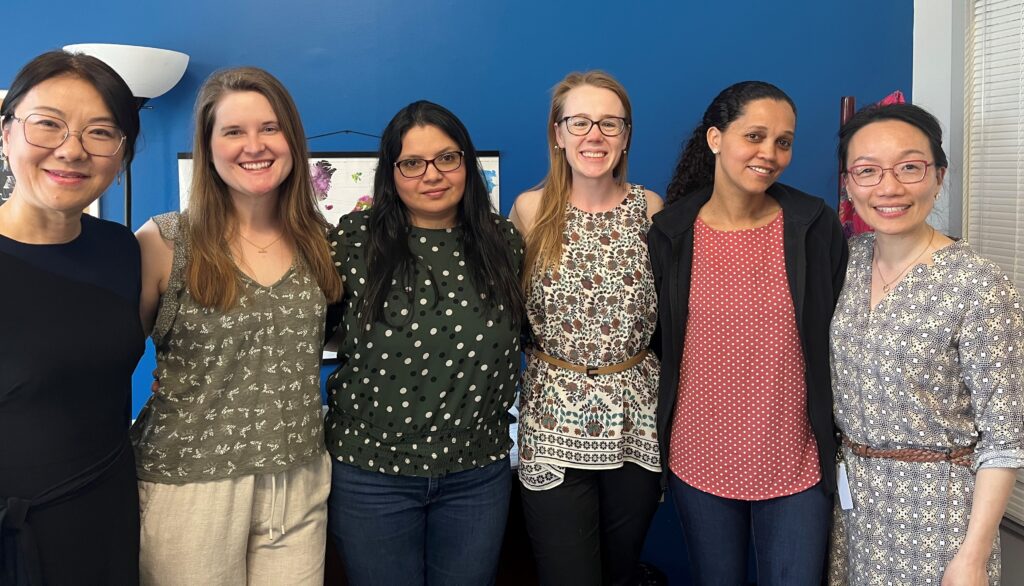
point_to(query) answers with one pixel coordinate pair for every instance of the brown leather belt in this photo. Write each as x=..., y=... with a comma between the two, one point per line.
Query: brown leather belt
x=958, y=456
x=591, y=370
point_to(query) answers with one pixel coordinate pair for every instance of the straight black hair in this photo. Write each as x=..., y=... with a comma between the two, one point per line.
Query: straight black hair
x=489, y=259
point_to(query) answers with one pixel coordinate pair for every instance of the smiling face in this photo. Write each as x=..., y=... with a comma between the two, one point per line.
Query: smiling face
x=592, y=155
x=248, y=148
x=65, y=179
x=432, y=200
x=755, y=148
x=892, y=207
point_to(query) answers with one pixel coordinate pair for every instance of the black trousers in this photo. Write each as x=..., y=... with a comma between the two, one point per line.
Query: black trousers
x=590, y=530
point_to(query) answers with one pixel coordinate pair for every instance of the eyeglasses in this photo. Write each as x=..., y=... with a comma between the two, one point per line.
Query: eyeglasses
x=581, y=125
x=906, y=172
x=49, y=132
x=445, y=163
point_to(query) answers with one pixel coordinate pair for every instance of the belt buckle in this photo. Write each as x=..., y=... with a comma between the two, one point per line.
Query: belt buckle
x=592, y=371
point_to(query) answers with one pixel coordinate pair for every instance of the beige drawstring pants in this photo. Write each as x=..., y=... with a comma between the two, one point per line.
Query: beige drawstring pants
x=257, y=529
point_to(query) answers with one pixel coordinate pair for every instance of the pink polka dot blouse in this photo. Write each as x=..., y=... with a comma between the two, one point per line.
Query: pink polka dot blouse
x=740, y=428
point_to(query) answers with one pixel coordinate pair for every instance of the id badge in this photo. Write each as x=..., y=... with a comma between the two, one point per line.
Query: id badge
x=843, y=481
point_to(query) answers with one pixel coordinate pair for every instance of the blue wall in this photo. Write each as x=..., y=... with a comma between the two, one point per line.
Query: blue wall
x=352, y=65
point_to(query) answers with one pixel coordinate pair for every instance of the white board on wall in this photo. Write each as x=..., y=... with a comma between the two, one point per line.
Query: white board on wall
x=344, y=180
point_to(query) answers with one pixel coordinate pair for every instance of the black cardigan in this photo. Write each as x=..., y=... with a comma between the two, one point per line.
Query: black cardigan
x=815, y=251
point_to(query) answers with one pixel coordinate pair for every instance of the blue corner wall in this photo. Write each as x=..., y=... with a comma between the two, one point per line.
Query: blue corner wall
x=352, y=64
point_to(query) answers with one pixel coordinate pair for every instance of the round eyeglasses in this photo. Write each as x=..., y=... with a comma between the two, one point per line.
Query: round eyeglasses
x=445, y=163
x=49, y=132
x=906, y=172
x=581, y=125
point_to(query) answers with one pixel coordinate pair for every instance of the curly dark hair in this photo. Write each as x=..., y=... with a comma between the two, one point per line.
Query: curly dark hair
x=696, y=166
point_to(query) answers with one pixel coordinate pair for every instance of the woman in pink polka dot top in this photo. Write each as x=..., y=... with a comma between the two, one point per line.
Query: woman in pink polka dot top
x=747, y=271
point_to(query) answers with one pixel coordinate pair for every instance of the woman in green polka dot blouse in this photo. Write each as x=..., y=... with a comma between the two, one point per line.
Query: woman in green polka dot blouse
x=430, y=322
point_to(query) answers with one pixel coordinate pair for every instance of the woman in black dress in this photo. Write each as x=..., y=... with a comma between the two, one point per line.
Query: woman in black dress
x=69, y=329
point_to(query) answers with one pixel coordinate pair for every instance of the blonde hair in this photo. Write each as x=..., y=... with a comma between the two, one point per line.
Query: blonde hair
x=544, y=241
x=211, y=276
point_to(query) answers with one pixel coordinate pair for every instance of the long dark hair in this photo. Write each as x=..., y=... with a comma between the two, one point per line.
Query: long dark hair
x=696, y=166
x=489, y=258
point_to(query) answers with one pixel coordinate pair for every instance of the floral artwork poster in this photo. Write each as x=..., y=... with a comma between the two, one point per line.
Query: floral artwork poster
x=343, y=181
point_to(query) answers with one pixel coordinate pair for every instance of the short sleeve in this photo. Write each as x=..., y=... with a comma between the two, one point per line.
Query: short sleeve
x=515, y=241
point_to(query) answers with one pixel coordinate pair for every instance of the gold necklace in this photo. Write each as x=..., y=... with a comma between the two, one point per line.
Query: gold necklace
x=261, y=249
x=886, y=285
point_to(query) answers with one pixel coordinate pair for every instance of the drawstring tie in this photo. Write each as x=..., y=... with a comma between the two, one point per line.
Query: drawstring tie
x=273, y=501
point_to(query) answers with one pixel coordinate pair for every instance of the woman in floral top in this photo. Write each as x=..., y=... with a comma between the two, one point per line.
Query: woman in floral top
x=927, y=369
x=589, y=457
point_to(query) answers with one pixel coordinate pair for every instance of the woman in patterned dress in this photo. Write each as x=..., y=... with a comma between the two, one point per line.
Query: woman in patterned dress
x=747, y=271
x=418, y=423
x=927, y=369
x=589, y=459
x=70, y=335
x=233, y=474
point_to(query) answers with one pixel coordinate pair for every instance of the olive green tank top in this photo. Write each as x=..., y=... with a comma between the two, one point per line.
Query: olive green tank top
x=239, y=390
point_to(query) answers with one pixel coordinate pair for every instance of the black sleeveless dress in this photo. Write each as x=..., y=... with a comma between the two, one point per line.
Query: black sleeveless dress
x=70, y=338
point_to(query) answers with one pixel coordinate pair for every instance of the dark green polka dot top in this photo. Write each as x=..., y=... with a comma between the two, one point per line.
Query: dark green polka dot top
x=426, y=391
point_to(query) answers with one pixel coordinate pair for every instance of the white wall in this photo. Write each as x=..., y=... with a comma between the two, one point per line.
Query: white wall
x=938, y=86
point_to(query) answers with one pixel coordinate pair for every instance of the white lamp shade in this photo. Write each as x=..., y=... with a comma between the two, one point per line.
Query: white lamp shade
x=148, y=71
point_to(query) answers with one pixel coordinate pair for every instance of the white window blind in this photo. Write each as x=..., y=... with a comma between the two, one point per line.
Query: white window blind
x=994, y=165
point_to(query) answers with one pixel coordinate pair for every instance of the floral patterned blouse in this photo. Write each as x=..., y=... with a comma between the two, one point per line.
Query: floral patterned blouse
x=598, y=308
x=936, y=364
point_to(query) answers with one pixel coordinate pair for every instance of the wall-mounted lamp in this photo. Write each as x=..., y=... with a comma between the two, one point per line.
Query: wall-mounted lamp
x=148, y=71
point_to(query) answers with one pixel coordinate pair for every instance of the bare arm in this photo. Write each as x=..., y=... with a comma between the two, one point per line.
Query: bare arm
x=524, y=211
x=991, y=492
x=654, y=203
x=157, y=254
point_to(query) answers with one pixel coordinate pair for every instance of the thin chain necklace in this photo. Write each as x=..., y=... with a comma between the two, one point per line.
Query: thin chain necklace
x=261, y=249
x=886, y=285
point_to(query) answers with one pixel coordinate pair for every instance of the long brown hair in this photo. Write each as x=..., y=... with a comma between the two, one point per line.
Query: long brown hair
x=211, y=276
x=544, y=242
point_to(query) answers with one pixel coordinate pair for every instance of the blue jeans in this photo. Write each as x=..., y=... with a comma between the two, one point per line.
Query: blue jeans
x=394, y=530
x=790, y=536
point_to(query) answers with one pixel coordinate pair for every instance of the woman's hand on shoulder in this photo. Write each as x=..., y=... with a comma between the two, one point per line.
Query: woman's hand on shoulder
x=524, y=211
x=157, y=256
x=654, y=203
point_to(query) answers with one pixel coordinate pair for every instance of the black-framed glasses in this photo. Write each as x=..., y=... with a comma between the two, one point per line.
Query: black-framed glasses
x=445, y=163
x=906, y=172
x=581, y=125
x=49, y=132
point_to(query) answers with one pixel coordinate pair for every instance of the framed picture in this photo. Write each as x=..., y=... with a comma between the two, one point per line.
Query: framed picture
x=343, y=181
